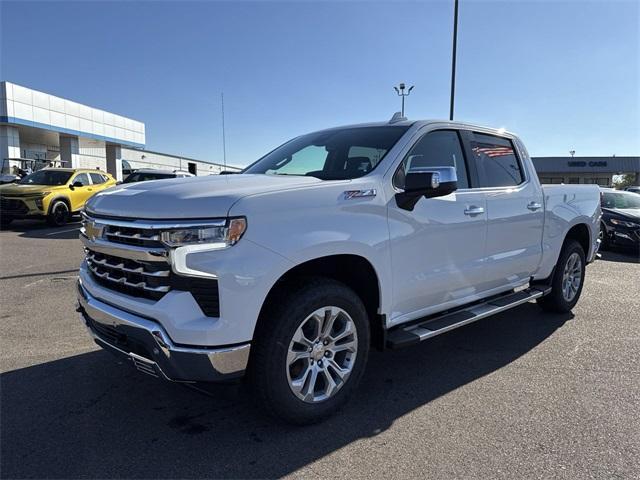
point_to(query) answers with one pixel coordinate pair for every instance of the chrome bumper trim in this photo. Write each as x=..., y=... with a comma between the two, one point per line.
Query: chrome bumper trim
x=170, y=361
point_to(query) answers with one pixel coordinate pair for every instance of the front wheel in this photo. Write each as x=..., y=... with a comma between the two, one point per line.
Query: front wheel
x=567, y=280
x=59, y=214
x=310, y=351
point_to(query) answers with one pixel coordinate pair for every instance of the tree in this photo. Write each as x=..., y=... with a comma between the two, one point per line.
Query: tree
x=623, y=181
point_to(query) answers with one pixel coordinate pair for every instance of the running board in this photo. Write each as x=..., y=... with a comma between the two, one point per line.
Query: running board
x=432, y=326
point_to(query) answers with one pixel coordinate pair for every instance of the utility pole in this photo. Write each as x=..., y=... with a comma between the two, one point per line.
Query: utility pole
x=224, y=141
x=453, y=57
x=401, y=93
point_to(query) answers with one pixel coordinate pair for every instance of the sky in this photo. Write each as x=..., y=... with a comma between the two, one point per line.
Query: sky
x=564, y=75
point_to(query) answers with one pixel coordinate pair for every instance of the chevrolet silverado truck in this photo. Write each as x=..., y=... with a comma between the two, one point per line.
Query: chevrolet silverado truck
x=380, y=235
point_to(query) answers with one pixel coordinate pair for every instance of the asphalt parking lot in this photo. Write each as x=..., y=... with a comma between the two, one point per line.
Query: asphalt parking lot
x=521, y=395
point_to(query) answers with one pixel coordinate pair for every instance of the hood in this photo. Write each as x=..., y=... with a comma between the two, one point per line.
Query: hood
x=630, y=213
x=194, y=197
x=20, y=190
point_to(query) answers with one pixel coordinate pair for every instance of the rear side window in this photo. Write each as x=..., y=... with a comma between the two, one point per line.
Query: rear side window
x=97, y=179
x=496, y=160
x=440, y=148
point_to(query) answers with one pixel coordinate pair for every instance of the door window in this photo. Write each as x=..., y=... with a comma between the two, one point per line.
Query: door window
x=497, y=163
x=82, y=178
x=436, y=149
x=97, y=179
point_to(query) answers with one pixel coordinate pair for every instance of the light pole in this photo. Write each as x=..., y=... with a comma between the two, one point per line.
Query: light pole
x=453, y=58
x=401, y=93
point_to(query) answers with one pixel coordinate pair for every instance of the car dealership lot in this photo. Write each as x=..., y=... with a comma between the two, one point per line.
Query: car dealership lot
x=522, y=394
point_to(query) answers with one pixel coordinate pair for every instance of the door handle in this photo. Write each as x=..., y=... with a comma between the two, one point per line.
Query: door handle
x=533, y=206
x=473, y=210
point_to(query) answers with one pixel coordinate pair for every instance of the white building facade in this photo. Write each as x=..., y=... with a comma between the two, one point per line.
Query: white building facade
x=38, y=129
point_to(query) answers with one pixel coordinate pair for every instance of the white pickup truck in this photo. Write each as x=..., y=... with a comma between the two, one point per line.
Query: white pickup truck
x=378, y=235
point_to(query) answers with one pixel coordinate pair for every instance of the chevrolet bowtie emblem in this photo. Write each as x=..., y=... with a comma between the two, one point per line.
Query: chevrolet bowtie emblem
x=93, y=230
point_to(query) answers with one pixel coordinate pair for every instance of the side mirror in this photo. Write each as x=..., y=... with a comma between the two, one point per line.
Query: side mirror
x=76, y=184
x=426, y=182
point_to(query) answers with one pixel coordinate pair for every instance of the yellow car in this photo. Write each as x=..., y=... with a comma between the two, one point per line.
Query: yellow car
x=53, y=194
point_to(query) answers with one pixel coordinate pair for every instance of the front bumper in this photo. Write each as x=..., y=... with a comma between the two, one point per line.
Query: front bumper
x=20, y=207
x=146, y=344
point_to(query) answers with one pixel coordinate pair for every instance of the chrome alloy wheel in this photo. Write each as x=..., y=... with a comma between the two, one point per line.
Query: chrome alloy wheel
x=571, y=277
x=322, y=354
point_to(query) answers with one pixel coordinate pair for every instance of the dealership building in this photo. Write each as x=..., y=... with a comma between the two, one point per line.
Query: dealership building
x=38, y=130
x=593, y=170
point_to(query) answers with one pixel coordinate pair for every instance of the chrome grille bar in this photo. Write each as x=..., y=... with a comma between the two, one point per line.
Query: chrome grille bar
x=120, y=266
x=122, y=280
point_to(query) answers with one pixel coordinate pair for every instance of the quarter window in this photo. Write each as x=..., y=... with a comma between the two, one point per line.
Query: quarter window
x=497, y=163
x=440, y=148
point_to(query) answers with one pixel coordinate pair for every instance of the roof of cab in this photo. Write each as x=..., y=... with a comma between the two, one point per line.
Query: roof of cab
x=420, y=123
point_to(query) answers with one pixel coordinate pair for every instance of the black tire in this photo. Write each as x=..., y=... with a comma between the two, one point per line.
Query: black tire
x=59, y=214
x=5, y=221
x=269, y=370
x=604, y=238
x=556, y=300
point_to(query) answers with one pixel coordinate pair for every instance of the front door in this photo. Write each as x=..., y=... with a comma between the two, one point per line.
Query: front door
x=437, y=250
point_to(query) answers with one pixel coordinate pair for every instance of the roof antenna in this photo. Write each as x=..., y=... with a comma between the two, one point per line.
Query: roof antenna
x=397, y=117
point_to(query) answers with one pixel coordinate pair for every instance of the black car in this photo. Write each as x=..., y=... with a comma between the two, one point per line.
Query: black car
x=145, y=174
x=620, y=224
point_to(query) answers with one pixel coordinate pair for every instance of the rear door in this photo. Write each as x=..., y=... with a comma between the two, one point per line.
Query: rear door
x=437, y=250
x=515, y=212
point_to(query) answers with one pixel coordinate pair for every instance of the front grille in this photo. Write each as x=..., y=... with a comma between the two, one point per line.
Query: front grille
x=13, y=206
x=151, y=280
x=138, y=237
x=144, y=277
x=132, y=277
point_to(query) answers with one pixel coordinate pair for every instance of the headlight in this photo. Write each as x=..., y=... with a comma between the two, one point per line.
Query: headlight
x=40, y=198
x=225, y=235
x=624, y=223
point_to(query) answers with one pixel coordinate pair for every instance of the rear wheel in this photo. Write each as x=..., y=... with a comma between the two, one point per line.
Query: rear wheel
x=5, y=221
x=567, y=280
x=59, y=214
x=311, y=351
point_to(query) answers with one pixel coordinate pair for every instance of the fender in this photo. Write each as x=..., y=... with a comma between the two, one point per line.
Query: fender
x=58, y=197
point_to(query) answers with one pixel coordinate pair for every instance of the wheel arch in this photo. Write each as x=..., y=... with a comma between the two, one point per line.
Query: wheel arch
x=355, y=271
x=581, y=233
x=57, y=198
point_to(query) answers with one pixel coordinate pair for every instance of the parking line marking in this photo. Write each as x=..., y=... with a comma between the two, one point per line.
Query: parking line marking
x=61, y=231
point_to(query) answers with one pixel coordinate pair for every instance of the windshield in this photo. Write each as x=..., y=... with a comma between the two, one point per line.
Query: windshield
x=47, y=177
x=144, y=176
x=620, y=200
x=338, y=154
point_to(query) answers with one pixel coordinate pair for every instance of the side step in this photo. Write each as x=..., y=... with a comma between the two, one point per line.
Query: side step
x=435, y=325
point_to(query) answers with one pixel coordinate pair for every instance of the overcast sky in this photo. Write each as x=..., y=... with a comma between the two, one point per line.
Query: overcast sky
x=564, y=75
